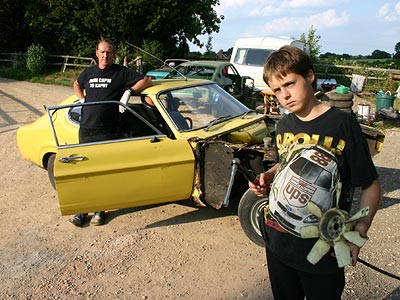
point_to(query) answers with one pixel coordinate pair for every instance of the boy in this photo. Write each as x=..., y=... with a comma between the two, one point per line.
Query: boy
x=290, y=74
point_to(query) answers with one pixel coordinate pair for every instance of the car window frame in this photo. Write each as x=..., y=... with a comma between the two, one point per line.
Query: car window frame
x=50, y=110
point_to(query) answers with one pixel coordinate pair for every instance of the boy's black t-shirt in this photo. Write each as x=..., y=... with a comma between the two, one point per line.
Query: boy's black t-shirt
x=101, y=85
x=340, y=133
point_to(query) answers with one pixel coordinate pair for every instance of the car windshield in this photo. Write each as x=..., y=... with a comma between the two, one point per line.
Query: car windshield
x=312, y=173
x=196, y=107
x=193, y=71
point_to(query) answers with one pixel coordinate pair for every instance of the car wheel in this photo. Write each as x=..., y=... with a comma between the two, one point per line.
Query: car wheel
x=332, y=95
x=341, y=101
x=250, y=208
x=50, y=170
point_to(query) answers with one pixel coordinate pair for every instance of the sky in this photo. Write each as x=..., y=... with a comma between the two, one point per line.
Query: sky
x=355, y=27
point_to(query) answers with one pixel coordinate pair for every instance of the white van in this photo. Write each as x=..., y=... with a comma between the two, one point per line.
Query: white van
x=249, y=55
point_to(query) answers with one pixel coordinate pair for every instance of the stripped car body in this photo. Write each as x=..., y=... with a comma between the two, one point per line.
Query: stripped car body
x=222, y=72
x=163, y=71
x=178, y=139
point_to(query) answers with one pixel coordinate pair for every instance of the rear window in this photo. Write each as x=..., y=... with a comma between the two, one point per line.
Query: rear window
x=252, y=57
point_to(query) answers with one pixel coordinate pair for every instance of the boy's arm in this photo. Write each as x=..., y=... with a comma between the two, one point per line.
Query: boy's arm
x=370, y=196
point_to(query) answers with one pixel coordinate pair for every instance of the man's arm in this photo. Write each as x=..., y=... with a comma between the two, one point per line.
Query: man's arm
x=142, y=84
x=78, y=90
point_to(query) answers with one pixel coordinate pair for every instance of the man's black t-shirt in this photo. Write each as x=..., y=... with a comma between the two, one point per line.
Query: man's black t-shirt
x=101, y=85
x=340, y=133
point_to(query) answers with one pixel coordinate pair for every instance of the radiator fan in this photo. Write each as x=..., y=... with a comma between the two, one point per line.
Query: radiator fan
x=334, y=227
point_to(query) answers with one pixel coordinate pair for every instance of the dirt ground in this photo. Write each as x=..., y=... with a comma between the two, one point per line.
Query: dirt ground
x=172, y=251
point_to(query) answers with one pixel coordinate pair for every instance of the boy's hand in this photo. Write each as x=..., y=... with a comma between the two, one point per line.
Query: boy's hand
x=261, y=186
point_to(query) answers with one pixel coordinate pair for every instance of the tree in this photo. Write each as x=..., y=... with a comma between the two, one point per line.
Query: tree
x=14, y=33
x=312, y=39
x=74, y=26
x=380, y=54
x=397, y=51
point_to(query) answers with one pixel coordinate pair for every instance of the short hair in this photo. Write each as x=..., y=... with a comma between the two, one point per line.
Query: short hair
x=106, y=41
x=288, y=59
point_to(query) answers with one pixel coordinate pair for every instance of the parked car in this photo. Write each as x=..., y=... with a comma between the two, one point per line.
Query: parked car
x=164, y=70
x=221, y=72
x=178, y=142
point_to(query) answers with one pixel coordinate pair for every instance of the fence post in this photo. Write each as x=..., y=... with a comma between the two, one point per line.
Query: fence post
x=64, y=66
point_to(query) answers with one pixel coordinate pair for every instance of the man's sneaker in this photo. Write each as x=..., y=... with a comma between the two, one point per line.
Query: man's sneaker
x=78, y=220
x=98, y=218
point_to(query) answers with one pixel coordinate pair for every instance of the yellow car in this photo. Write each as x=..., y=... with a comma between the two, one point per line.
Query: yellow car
x=179, y=139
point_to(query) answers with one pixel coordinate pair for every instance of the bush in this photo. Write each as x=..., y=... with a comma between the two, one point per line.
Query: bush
x=36, y=59
x=18, y=61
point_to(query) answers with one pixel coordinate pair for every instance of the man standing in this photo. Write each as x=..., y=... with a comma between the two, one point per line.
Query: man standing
x=105, y=81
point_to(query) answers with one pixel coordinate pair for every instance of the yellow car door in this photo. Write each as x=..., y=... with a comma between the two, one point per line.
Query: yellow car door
x=122, y=173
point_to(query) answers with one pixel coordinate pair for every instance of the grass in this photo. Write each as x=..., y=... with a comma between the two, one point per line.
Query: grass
x=49, y=77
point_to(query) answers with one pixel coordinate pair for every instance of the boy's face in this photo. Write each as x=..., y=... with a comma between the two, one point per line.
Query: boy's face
x=293, y=91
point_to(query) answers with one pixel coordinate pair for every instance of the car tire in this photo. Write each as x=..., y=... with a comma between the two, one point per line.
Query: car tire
x=50, y=170
x=342, y=101
x=332, y=95
x=250, y=208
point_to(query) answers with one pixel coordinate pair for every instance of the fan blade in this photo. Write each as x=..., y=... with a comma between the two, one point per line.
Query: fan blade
x=319, y=249
x=311, y=231
x=342, y=253
x=314, y=209
x=338, y=192
x=355, y=238
x=360, y=214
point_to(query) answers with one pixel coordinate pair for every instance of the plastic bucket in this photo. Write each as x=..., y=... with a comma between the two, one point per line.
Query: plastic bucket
x=384, y=101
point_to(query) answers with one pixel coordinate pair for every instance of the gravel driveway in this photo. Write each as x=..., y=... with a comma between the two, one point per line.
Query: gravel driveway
x=171, y=251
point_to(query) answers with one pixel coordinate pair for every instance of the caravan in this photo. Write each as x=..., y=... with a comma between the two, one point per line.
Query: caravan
x=249, y=55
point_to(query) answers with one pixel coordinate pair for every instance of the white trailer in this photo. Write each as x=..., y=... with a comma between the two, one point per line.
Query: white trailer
x=249, y=55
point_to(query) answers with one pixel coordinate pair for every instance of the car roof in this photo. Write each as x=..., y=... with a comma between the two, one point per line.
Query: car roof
x=309, y=153
x=166, y=84
x=210, y=63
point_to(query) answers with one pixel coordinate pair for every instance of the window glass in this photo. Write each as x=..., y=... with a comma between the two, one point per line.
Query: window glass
x=239, y=57
x=312, y=172
x=256, y=57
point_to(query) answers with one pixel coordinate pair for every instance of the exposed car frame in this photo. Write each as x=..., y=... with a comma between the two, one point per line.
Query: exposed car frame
x=187, y=157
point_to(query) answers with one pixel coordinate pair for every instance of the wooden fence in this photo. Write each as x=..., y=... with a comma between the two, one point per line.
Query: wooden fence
x=66, y=61
x=54, y=60
x=72, y=61
x=375, y=78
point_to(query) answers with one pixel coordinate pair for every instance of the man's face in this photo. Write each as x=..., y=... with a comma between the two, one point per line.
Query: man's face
x=105, y=55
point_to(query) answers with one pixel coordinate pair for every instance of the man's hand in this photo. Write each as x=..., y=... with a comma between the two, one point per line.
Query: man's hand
x=124, y=99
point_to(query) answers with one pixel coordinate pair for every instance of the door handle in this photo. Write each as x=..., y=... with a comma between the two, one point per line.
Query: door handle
x=71, y=158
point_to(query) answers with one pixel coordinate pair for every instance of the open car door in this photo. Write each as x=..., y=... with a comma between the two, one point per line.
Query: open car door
x=133, y=170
